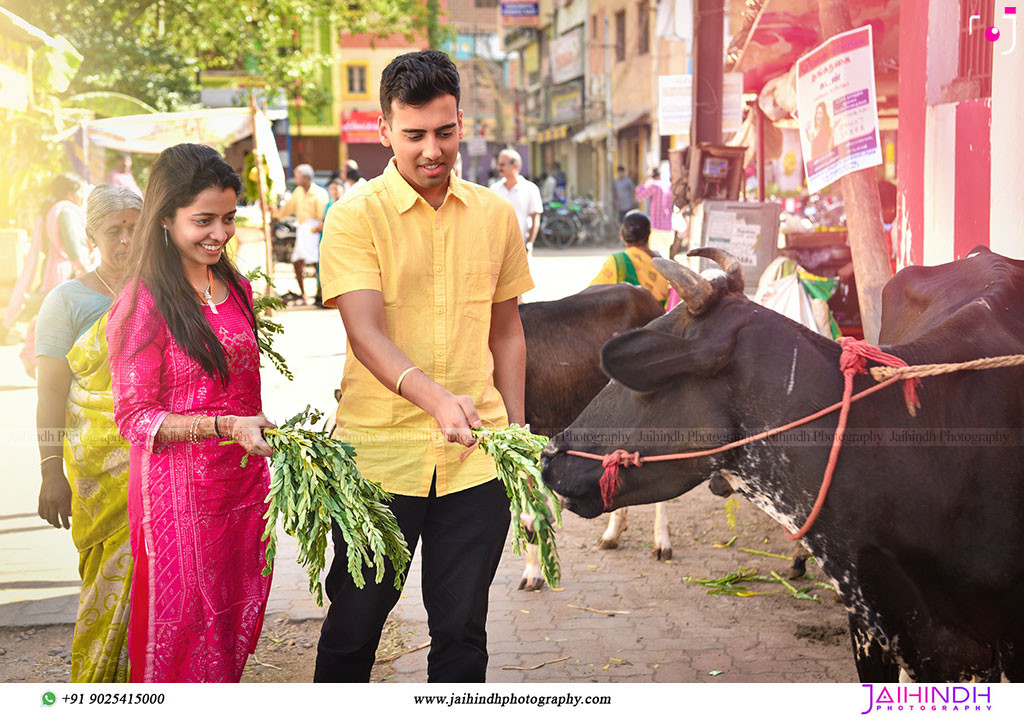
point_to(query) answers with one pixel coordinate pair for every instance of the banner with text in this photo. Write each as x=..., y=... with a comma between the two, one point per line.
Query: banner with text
x=360, y=127
x=837, y=108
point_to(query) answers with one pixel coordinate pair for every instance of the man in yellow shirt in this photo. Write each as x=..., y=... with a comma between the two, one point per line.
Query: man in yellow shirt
x=308, y=203
x=425, y=269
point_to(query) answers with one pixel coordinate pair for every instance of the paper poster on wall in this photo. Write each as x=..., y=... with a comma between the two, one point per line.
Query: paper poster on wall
x=732, y=102
x=789, y=169
x=837, y=108
x=675, y=104
x=728, y=231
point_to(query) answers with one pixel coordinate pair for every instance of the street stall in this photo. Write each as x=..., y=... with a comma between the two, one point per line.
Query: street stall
x=150, y=134
x=825, y=110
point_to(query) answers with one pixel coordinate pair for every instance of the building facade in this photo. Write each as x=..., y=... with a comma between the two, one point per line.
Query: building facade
x=579, y=50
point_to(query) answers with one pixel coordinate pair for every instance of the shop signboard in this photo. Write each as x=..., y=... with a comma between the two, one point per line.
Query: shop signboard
x=567, y=102
x=567, y=56
x=521, y=13
x=837, y=108
x=570, y=14
x=476, y=146
x=360, y=127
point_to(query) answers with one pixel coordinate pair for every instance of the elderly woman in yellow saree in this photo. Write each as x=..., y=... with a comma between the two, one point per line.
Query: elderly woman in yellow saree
x=84, y=461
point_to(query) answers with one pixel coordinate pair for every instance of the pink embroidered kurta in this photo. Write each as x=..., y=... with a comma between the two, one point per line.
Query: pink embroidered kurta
x=195, y=516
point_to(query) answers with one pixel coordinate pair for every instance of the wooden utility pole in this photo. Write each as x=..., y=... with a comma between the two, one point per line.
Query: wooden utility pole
x=863, y=208
x=264, y=223
x=708, y=21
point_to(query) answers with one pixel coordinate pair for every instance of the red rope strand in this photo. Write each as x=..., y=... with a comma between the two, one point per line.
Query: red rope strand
x=852, y=361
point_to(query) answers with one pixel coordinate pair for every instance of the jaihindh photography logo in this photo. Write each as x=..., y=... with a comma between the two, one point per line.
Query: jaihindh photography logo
x=922, y=698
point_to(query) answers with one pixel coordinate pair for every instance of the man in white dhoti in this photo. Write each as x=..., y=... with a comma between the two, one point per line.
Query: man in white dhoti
x=307, y=203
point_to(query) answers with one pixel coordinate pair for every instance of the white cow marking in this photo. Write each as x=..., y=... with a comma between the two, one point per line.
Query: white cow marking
x=767, y=502
x=792, y=372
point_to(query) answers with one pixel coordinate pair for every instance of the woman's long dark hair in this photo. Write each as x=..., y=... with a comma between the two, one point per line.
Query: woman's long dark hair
x=177, y=177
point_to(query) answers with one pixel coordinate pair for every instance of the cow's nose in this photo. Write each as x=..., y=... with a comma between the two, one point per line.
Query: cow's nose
x=546, y=455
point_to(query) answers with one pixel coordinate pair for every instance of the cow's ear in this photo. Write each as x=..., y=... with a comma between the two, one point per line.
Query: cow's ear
x=647, y=360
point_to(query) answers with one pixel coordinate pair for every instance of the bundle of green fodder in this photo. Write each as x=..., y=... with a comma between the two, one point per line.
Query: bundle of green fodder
x=266, y=328
x=314, y=479
x=516, y=455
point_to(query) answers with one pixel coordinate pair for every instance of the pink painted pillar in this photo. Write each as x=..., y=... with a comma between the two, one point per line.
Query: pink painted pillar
x=973, y=181
x=913, y=106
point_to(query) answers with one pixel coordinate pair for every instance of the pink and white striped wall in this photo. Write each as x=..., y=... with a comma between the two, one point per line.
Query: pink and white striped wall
x=960, y=164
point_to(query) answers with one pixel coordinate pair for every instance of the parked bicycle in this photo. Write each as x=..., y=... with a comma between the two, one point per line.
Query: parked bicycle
x=576, y=222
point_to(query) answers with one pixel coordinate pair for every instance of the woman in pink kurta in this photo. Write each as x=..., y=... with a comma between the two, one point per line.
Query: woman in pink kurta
x=185, y=377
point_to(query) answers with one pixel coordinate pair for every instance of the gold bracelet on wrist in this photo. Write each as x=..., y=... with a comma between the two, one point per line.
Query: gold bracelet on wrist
x=50, y=458
x=401, y=377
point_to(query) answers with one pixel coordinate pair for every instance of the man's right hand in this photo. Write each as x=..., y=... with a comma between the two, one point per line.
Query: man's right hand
x=455, y=415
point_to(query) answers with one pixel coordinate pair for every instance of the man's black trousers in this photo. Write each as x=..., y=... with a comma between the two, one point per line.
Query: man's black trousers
x=462, y=534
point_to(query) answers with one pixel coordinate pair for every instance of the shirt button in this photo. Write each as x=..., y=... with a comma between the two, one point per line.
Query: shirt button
x=439, y=352
x=439, y=311
x=438, y=269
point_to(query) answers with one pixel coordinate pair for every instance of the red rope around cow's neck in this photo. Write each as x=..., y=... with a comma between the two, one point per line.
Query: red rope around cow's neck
x=852, y=361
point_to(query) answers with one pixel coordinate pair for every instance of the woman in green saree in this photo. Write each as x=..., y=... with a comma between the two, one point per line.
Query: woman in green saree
x=84, y=461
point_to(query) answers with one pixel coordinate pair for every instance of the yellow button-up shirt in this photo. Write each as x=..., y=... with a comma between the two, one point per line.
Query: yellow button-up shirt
x=306, y=204
x=438, y=272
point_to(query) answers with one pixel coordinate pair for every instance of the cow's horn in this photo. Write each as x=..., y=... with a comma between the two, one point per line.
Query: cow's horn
x=695, y=291
x=730, y=265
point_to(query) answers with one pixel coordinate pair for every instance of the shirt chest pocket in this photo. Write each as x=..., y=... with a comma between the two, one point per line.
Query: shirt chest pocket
x=478, y=281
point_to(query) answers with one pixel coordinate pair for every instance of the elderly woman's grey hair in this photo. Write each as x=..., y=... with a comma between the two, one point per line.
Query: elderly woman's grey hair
x=105, y=199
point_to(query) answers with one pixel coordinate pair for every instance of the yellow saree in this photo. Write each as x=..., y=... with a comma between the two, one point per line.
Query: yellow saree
x=96, y=460
x=644, y=274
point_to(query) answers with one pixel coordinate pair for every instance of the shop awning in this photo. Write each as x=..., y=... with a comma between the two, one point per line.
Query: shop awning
x=152, y=133
x=598, y=130
x=775, y=33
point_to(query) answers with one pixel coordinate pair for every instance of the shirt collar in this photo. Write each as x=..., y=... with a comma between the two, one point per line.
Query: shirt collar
x=404, y=196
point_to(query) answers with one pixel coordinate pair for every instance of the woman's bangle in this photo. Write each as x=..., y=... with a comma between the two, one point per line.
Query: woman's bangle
x=216, y=426
x=193, y=430
x=51, y=458
x=401, y=377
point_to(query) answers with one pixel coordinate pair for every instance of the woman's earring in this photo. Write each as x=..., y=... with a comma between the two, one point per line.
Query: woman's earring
x=166, y=242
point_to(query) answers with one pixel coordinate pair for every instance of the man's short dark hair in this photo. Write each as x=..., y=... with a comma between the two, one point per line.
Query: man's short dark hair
x=352, y=174
x=416, y=78
x=621, y=168
x=636, y=227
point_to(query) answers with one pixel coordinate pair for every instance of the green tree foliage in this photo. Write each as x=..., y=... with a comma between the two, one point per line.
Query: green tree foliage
x=154, y=50
x=29, y=157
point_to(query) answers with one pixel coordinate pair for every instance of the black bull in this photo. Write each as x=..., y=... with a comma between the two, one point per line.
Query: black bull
x=923, y=529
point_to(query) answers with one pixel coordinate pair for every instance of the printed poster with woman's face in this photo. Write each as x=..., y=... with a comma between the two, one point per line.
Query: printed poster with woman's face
x=837, y=108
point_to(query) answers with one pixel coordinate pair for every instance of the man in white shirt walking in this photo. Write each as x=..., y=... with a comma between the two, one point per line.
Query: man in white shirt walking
x=524, y=195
